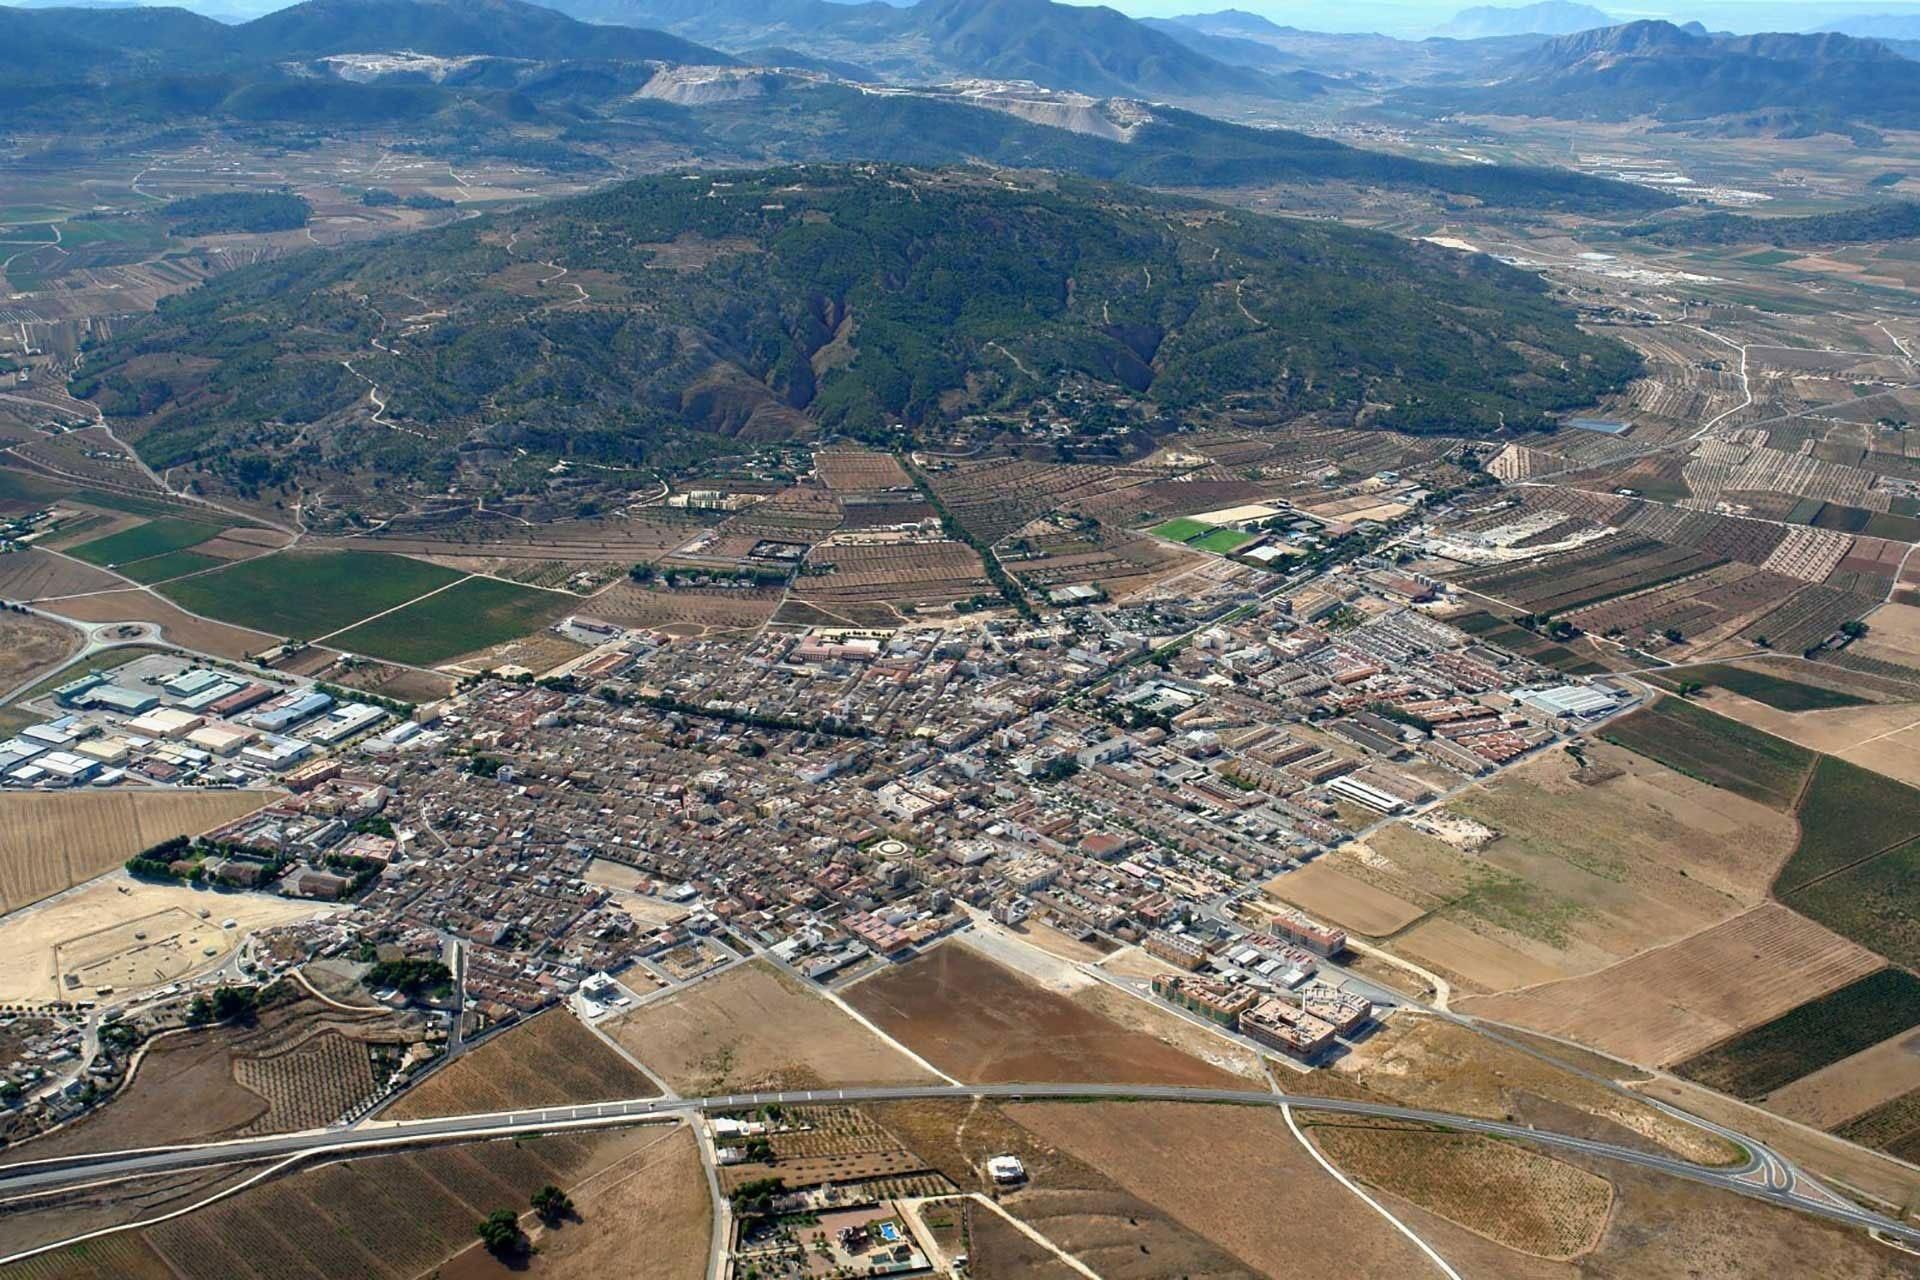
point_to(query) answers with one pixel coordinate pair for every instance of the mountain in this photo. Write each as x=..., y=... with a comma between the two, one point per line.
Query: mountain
x=1085, y=49
x=1875, y=224
x=791, y=119
x=1781, y=82
x=1547, y=18
x=777, y=304
x=120, y=43
x=1247, y=39
x=452, y=28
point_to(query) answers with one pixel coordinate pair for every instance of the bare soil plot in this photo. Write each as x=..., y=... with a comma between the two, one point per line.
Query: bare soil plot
x=1256, y=1193
x=998, y=1250
x=1324, y=891
x=176, y=624
x=689, y=613
x=1473, y=959
x=52, y=841
x=978, y=1021
x=548, y=1060
x=1873, y=737
x=1074, y=1200
x=754, y=1026
x=1515, y=1195
x=1852, y=1086
x=1672, y=1002
x=661, y=1185
x=34, y=574
x=30, y=646
x=1169, y=1028
x=1426, y=1062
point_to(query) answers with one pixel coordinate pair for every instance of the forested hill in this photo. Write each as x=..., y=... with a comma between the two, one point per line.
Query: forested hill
x=624, y=325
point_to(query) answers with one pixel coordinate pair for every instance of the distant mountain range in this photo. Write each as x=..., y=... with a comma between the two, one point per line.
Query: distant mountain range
x=1548, y=18
x=70, y=43
x=1086, y=49
x=1779, y=82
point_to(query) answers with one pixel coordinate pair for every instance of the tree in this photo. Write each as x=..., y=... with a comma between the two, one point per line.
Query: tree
x=552, y=1204
x=1673, y=635
x=1853, y=630
x=500, y=1232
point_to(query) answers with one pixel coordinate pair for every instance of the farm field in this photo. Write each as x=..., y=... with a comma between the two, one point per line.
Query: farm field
x=1257, y=1194
x=1324, y=891
x=119, y=1257
x=30, y=1222
x=386, y=1217
x=1715, y=750
x=1670, y=1003
x=1587, y=865
x=843, y=470
x=1816, y=1034
x=981, y=1022
x=30, y=645
x=754, y=1026
x=90, y=933
x=36, y=575
x=1871, y=901
x=470, y=615
x=1577, y=579
x=660, y=1186
x=1883, y=737
x=545, y=1061
x=1763, y=686
x=50, y=842
x=1519, y=1197
x=683, y=613
x=307, y=594
x=1853, y=1086
x=998, y=1250
x=145, y=541
x=1075, y=1200
x=1892, y=1127
x=1847, y=815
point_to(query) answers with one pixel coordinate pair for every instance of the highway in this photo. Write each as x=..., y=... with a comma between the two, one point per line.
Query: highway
x=1757, y=1176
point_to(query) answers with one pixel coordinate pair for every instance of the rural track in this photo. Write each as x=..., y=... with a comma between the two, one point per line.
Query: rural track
x=1755, y=1177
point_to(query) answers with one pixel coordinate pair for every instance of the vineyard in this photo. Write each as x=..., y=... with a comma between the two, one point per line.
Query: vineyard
x=1892, y=1127
x=1575, y=579
x=310, y=1083
x=388, y=1217
x=548, y=1060
x=1816, y=1034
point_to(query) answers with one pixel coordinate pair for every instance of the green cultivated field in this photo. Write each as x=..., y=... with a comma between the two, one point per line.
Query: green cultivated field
x=477, y=613
x=174, y=564
x=1715, y=750
x=154, y=538
x=307, y=594
x=1872, y=903
x=1778, y=693
x=1181, y=529
x=1222, y=541
x=1848, y=814
x=1816, y=1034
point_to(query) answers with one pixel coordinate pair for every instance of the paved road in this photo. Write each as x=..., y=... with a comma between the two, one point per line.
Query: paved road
x=1753, y=1177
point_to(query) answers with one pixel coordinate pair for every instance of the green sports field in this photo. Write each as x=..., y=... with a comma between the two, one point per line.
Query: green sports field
x=1181, y=529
